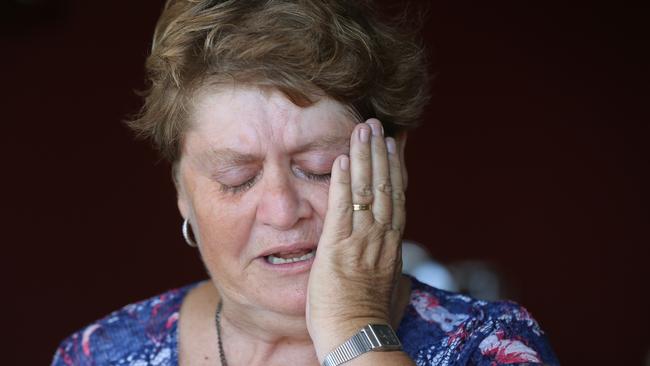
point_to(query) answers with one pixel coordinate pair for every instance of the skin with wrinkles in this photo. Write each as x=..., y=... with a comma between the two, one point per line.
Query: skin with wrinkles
x=253, y=175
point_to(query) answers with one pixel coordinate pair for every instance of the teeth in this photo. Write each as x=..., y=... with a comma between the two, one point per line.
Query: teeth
x=277, y=260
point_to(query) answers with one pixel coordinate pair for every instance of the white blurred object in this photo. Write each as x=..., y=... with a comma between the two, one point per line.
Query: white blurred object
x=478, y=279
x=417, y=262
x=413, y=254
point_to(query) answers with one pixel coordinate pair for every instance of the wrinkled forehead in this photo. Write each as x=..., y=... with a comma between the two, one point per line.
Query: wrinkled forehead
x=248, y=117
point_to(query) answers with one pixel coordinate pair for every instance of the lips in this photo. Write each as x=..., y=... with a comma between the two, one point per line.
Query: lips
x=291, y=253
x=285, y=250
x=277, y=259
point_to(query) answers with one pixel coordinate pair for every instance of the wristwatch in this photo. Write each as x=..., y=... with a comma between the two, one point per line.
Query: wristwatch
x=372, y=337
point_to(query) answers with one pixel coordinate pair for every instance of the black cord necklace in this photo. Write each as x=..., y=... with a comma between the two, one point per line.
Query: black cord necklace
x=217, y=318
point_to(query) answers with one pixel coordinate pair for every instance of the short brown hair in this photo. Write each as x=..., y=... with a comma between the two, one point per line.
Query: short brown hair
x=304, y=48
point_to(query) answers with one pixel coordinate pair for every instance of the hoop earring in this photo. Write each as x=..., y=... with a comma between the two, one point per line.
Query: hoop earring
x=186, y=234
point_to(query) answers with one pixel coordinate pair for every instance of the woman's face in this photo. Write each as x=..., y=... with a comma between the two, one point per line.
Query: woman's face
x=253, y=181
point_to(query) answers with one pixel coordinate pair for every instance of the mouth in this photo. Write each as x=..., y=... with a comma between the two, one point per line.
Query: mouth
x=287, y=257
x=290, y=257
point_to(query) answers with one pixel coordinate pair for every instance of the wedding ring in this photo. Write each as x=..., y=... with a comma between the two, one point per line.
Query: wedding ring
x=360, y=207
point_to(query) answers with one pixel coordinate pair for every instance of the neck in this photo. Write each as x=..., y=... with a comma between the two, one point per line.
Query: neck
x=252, y=335
x=258, y=336
x=256, y=324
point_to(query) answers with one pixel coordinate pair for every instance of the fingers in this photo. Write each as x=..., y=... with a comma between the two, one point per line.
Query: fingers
x=381, y=181
x=361, y=175
x=397, y=183
x=372, y=175
x=338, y=221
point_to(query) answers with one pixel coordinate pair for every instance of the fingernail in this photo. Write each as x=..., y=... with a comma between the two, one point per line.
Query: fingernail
x=364, y=134
x=390, y=145
x=344, y=163
x=377, y=129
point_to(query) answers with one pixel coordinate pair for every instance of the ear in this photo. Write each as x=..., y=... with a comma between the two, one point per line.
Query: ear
x=182, y=201
x=400, y=140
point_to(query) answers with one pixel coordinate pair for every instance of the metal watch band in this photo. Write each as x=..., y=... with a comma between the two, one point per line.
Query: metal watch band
x=355, y=346
x=372, y=337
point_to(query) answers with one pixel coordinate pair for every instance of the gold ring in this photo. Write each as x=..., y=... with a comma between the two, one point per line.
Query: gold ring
x=360, y=207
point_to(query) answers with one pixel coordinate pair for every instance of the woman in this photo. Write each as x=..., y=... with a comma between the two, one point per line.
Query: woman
x=285, y=123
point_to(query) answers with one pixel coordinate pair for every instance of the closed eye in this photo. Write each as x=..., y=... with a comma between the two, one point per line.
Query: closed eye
x=325, y=177
x=234, y=189
x=319, y=177
x=239, y=187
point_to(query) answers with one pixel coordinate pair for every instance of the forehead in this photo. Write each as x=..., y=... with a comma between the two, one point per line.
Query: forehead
x=250, y=117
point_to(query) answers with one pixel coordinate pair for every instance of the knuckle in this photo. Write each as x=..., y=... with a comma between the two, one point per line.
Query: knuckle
x=363, y=191
x=399, y=229
x=339, y=232
x=379, y=229
x=361, y=238
x=376, y=235
x=343, y=207
x=399, y=197
x=394, y=234
x=384, y=224
x=384, y=187
x=386, y=227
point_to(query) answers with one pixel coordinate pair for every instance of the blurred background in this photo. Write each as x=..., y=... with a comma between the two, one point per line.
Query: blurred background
x=528, y=177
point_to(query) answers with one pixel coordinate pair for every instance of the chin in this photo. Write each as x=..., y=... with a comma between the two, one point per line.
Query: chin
x=287, y=295
x=293, y=305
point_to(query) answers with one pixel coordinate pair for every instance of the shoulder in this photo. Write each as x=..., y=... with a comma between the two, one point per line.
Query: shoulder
x=142, y=331
x=445, y=328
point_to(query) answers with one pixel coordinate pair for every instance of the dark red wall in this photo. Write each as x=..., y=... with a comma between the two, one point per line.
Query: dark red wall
x=532, y=156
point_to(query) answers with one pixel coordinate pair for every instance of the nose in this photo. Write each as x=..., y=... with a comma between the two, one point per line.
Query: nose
x=281, y=205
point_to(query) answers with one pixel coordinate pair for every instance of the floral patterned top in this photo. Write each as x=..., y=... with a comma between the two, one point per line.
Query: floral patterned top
x=438, y=328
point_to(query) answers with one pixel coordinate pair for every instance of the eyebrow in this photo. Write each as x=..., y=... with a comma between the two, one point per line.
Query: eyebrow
x=228, y=156
x=325, y=142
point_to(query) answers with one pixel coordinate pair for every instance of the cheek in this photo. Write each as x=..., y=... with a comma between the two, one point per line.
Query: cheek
x=224, y=226
x=317, y=197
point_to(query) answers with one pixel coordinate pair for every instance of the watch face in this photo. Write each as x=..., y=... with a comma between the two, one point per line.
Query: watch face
x=384, y=337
